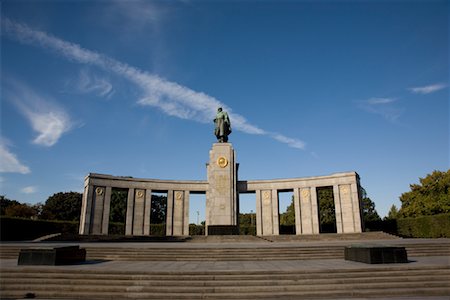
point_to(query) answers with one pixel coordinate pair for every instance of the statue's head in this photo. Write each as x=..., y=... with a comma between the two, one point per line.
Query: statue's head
x=219, y=109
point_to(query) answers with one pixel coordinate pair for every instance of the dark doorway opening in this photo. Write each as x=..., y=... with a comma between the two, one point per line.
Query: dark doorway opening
x=247, y=214
x=326, y=209
x=158, y=214
x=197, y=209
x=118, y=211
x=287, y=212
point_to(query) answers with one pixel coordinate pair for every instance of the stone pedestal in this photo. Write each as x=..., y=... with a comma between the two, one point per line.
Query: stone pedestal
x=375, y=254
x=52, y=256
x=221, y=197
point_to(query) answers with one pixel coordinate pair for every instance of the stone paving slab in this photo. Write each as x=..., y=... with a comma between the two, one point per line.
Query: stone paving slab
x=230, y=266
x=392, y=242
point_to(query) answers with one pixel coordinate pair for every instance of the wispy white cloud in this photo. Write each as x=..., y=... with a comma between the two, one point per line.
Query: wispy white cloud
x=88, y=83
x=382, y=106
x=9, y=163
x=47, y=119
x=428, y=89
x=294, y=143
x=380, y=101
x=170, y=97
x=29, y=190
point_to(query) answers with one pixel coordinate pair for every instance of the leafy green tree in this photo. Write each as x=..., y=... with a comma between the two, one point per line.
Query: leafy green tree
x=288, y=217
x=327, y=214
x=430, y=197
x=21, y=211
x=62, y=206
x=5, y=203
x=369, y=213
x=118, y=206
x=247, y=219
x=393, y=213
x=158, y=209
x=13, y=208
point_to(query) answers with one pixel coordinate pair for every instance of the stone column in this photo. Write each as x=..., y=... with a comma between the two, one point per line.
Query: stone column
x=275, y=213
x=147, y=211
x=267, y=212
x=315, y=211
x=338, y=209
x=106, y=210
x=309, y=213
x=130, y=213
x=356, y=204
x=138, y=212
x=186, y=214
x=97, y=218
x=259, y=220
x=348, y=225
x=298, y=212
x=180, y=225
x=221, y=197
x=86, y=207
x=169, y=214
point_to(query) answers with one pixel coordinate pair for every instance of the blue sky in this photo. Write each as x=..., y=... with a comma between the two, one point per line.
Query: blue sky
x=130, y=88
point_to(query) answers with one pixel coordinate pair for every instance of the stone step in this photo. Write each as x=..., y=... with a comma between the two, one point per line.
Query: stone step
x=269, y=287
x=267, y=252
x=344, y=294
x=136, y=290
x=160, y=281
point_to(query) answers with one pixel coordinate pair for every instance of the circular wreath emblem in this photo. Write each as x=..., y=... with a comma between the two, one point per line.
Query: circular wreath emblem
x=99, y=191
x=222, y=162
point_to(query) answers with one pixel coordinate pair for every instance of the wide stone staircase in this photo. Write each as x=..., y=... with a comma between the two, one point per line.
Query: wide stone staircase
x=295, y=284
x=269, y=268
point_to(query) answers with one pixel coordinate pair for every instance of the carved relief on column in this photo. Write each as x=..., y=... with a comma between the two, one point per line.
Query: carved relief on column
x=86, y=207
x=138, y=212
x=178, y=213
x=306, y=211
x=267, y=214
x=97, y=210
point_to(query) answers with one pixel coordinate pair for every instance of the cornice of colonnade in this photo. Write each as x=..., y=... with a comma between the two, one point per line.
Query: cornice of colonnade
x=97, y=179
x=242, y=185
x=300, y=182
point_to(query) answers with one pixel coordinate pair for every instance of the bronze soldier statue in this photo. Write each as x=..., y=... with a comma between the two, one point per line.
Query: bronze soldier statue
x=223, y=126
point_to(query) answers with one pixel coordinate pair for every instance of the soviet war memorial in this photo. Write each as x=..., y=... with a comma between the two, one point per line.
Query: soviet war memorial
x=222, y=191
x=224, y=150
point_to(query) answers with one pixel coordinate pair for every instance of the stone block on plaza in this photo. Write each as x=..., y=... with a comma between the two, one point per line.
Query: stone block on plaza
x=52, y=256
x=376, y=254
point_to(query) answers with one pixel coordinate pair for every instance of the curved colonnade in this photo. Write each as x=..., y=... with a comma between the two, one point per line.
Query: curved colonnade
x=98, y=188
